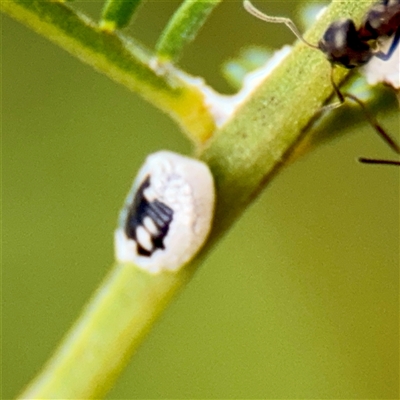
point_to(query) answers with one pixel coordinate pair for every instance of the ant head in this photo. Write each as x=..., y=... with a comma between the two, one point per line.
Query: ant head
x=341, y=45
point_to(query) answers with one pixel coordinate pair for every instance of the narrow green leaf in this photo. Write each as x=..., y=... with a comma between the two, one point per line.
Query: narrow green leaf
x=183, y=27
x=116, y=14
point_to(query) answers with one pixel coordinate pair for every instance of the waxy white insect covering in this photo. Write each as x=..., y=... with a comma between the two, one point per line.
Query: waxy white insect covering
x=168, y=213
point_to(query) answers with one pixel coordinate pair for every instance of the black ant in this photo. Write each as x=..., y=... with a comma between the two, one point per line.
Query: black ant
x=345, y=45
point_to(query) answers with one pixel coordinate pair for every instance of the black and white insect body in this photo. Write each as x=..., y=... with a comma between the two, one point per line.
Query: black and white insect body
x=348, y=46
x=147, y=222
x=167, y=214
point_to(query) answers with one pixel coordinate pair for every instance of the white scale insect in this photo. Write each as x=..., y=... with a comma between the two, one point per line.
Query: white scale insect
x=167, y=214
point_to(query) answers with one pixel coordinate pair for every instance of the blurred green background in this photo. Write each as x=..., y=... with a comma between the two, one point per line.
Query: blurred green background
x=299, y=300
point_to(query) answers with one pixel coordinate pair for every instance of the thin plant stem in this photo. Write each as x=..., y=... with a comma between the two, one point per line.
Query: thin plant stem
x=120, y=58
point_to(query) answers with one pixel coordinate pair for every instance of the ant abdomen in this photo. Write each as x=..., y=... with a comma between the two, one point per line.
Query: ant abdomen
x=383, y=19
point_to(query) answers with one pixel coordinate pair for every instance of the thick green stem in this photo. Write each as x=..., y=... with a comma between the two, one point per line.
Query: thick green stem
x=244, y=156
x=121, y=59
x=247, y=152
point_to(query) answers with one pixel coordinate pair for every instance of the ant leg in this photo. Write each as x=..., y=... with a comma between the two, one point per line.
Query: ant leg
x=338, y=93
x=371, y=119
x=374, y=123
x=376, y=161
x=385, y=56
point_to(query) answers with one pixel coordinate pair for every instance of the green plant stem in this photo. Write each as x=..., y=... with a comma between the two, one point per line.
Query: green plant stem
x=121, y=59
x=117, y=14
x=120, y=313
x=244, y=156
x=183, y=27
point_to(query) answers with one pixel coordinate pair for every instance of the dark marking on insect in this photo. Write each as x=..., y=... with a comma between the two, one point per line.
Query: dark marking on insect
x=159, y=213
x=350, y=47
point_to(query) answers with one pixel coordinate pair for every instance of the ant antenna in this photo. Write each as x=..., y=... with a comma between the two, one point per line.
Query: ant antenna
x=276, y=20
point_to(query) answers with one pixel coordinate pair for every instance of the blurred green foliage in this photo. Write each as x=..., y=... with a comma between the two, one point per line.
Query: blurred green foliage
x=300, y=300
